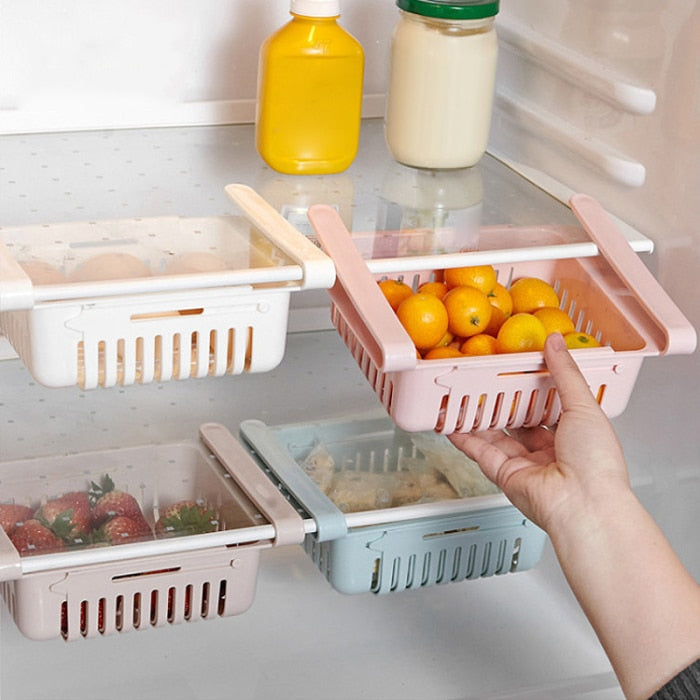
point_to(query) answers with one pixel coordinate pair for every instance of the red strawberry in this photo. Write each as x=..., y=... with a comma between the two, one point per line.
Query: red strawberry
x=186, y=518
x=32, y=537
x=13, y=514
x=68, y=516
x=171, y=602
x=109, y=502
x=121, y=529
x=84, y=607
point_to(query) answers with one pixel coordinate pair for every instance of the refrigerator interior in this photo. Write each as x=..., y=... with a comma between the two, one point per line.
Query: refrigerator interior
x=105, y=143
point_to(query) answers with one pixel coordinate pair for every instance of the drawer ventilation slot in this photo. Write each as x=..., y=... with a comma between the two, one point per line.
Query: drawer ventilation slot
x=159, y=607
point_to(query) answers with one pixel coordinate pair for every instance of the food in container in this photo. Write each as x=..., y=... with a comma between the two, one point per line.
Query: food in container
x=441, y=82
x=309, y=106
x=413, y=511
x=603, y=286
x=110, y=266
x=105, y=303
x=172, y=535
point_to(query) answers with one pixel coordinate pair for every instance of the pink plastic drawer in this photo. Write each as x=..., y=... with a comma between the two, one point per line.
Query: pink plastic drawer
x=610, y=294
x=94, y=601
x=93, y=589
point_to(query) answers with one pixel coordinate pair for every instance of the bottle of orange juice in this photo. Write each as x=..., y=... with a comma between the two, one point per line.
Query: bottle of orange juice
x=309, y=92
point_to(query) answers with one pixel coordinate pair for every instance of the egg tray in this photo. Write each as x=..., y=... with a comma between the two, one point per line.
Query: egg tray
x=97, y=591
x=392, y=549
x=108, y=303
x=608, y=293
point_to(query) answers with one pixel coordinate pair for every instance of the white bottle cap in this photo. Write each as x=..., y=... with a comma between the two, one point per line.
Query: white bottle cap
x=316, y=8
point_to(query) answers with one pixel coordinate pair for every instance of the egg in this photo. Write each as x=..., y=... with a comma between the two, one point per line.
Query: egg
x=110, y=266
x=42, y=273
x=196, y=262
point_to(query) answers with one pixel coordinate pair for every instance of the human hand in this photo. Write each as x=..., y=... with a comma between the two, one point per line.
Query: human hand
x=572, y=481
x=554, y=475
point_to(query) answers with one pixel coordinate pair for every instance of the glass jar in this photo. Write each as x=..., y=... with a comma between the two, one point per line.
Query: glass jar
x=441, y=82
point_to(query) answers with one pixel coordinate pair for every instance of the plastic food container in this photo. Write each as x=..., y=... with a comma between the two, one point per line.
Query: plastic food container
x=96, y=590
x=391, y=549
x=134, y=301
x=604, y=287
x=441, y=82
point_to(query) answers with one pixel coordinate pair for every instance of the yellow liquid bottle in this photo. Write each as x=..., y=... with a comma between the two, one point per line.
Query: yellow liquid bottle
x=309, y=92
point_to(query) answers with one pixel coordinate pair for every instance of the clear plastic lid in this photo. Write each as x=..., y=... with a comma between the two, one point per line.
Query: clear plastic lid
x=465, y=242
x=95, y=251
x=132, y=495
x=255, y=246
x=92, y=507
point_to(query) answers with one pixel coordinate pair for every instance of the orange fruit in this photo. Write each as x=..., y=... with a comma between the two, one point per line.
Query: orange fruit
x=555, y=320
x=425, y=319
x=530, y=293
x=480, y=344
x=468, y=310
x=439, y=289
x=442, y=352
x=500, y=299
x=497, y=319
x=395, y=291
x=482, y=277
x=445, y=340
x=577, y=339
x=521, y=333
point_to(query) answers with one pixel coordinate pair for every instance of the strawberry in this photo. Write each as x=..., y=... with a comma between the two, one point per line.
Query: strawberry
x=171, y=602
x=121, y=529
x=85, y=609
x=186, y=518
x=67, y=516
x=109, y=502
x=12, y=515
x=33, y=537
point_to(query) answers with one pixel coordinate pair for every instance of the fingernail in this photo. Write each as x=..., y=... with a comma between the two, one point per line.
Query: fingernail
x=556, y=341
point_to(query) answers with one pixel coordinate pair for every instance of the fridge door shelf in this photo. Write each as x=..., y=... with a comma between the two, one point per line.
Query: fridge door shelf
x=609, y=294
x=107, y=303
x=392, y=549
x=98, y=589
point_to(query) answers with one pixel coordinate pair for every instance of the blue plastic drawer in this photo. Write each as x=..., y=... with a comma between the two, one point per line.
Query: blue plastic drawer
x=390, y=549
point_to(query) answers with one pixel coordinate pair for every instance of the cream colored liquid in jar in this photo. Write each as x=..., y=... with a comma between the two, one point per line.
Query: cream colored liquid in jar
x=440, y=93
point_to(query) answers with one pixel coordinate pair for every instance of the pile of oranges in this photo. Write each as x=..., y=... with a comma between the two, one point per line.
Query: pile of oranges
x=466, y=311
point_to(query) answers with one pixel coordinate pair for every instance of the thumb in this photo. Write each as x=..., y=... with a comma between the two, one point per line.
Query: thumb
x=570, y=383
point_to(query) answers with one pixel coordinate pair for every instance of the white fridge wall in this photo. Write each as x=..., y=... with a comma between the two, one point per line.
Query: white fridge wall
x=90, y=65
x=604, y=96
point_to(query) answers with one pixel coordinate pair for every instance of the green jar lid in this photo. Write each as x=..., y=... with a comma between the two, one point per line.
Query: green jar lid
x=451, y=9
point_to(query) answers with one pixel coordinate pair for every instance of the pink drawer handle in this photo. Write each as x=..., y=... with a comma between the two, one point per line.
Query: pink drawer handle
x=679, y=334
x=392, y=349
